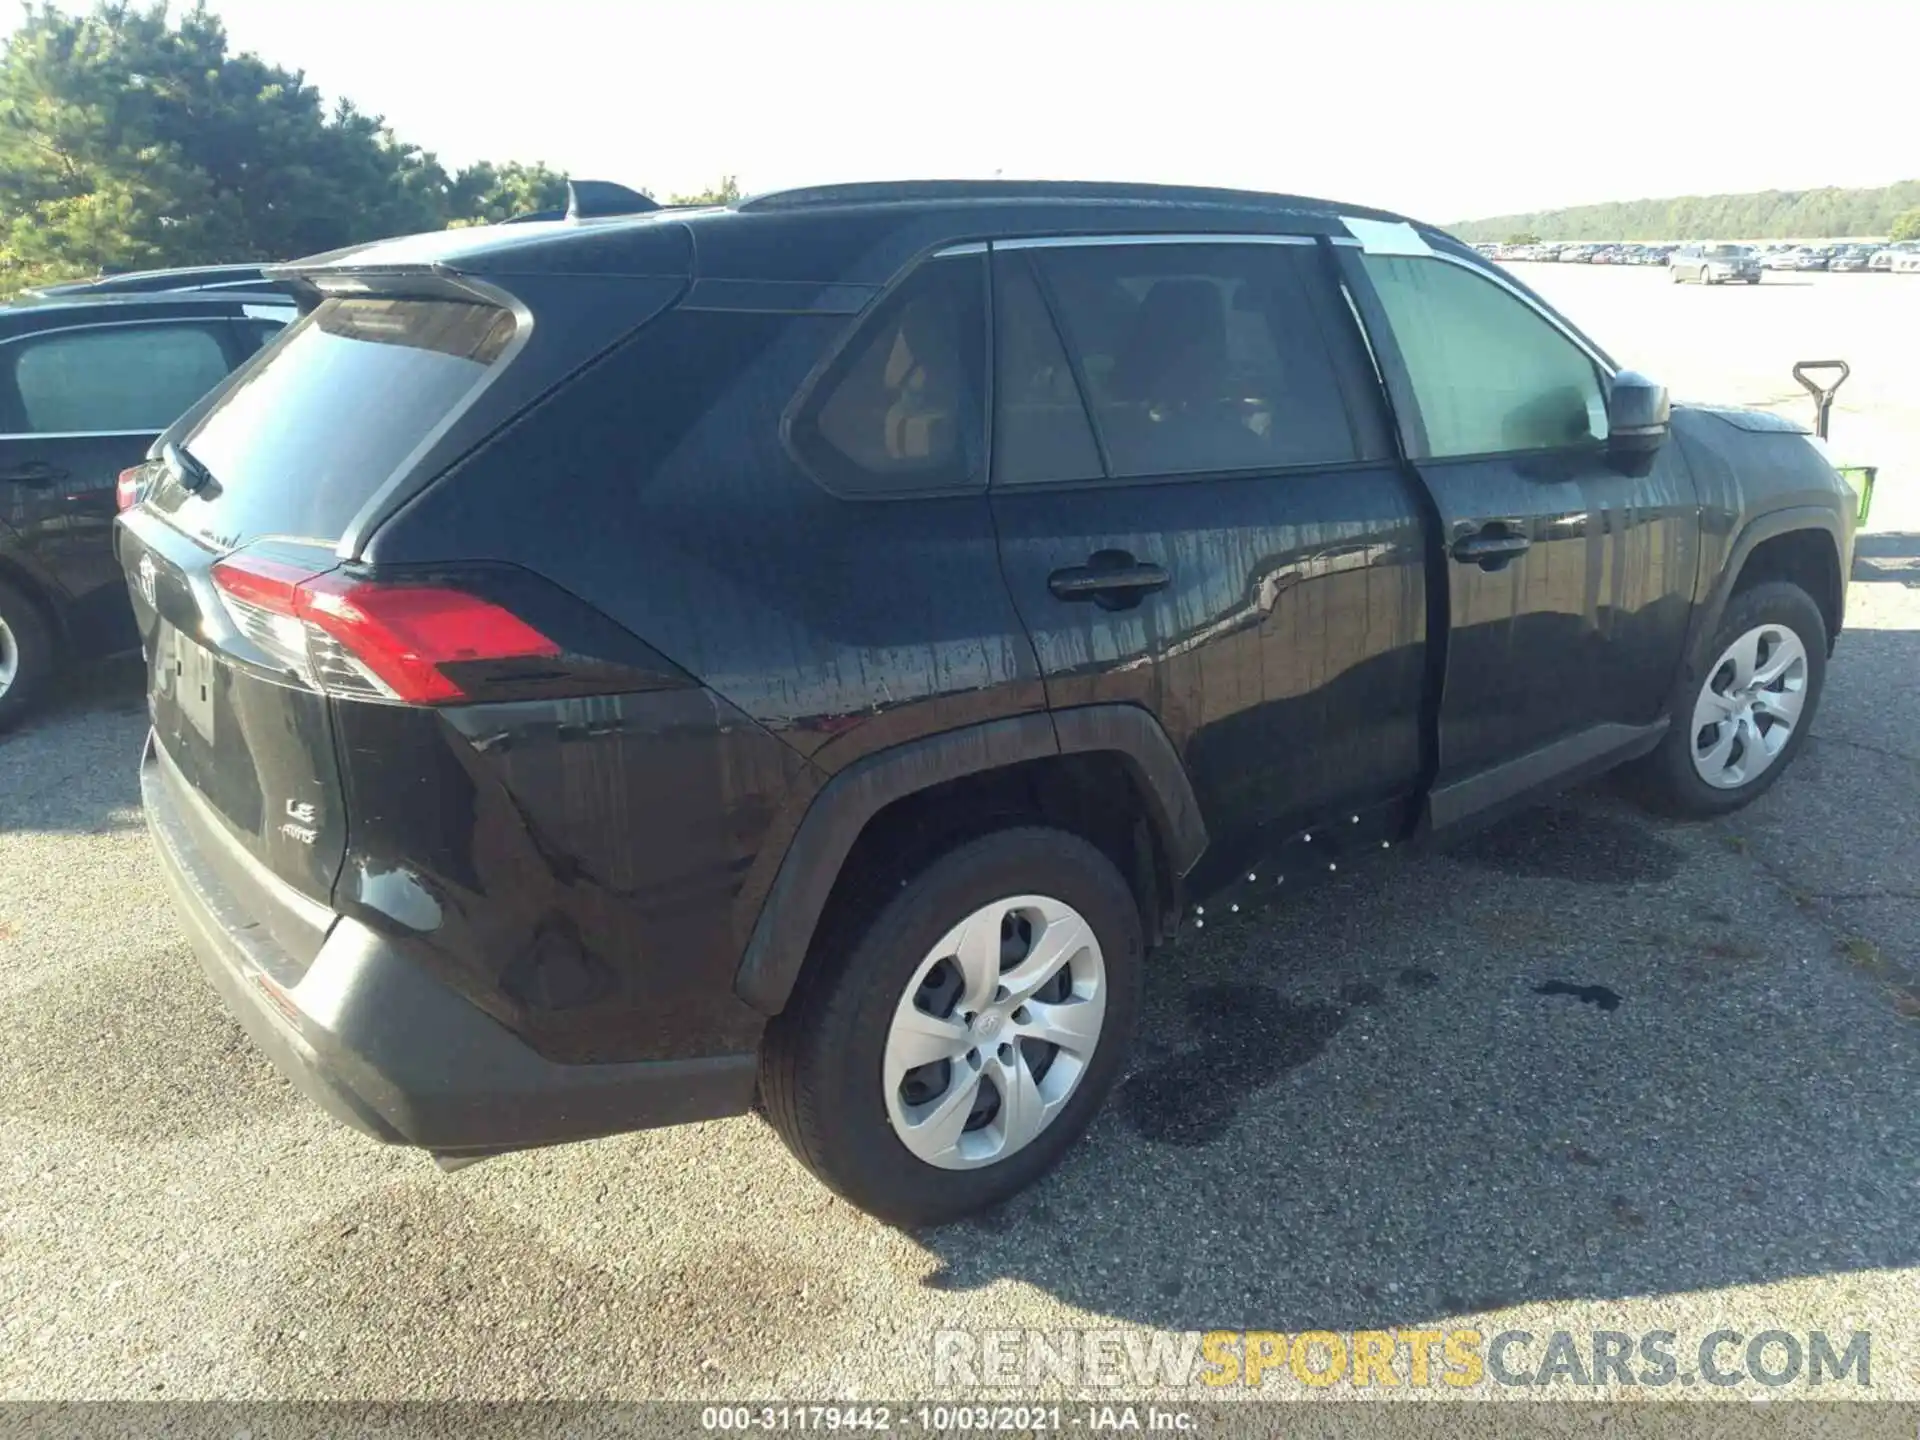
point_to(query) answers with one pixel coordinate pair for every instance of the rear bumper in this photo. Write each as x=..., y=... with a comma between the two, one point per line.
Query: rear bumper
x=383, y=1046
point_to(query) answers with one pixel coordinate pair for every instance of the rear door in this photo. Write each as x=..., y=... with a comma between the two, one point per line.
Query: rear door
x=284, y=461
x=1569, y=583
x=1198, y=514
x=80, y=404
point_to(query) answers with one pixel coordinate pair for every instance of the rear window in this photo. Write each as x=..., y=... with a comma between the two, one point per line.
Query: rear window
x=301, y=443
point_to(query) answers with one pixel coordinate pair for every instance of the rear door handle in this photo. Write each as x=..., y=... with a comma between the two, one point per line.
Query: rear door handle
x=1112, y=579
x=1490, y=548
x=35, y=472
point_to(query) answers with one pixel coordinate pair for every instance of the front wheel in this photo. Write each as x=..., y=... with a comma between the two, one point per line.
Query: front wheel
x=1740, y=718
x=954, y=1044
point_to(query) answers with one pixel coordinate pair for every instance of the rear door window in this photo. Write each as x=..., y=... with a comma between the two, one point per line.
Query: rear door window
x=1041, y=431
x=1196, y=358
x=114, y=379
x=899, y=409
x=332, y=411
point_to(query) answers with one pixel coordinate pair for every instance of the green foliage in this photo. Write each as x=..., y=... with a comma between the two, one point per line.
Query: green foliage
x=725, y=193
x=1523, y=237
x=128, y=141
x=486, y=194
x=1766, y=215
x=1906, y=225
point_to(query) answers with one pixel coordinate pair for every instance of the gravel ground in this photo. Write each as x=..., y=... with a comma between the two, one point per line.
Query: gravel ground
x=1358, y=1112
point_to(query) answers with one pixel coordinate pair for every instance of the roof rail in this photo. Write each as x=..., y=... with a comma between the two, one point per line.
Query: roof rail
x=923, y=191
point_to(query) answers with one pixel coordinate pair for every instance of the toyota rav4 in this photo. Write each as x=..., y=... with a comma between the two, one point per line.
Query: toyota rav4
x=809, y=654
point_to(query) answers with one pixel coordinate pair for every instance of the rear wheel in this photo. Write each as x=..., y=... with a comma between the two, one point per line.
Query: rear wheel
x=949, y=1051
x=26, y=653
x=1741, y=717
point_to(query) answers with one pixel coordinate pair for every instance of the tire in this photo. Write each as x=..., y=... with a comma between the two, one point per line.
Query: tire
x=824, y=1063
x=26, y=653
x=1669, y=780
x=1753, y=280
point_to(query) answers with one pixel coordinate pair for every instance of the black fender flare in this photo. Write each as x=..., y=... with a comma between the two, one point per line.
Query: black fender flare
x=783, y=932
x=1756, y=532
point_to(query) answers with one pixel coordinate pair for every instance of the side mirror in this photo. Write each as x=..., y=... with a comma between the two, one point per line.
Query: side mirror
x=1638, y=421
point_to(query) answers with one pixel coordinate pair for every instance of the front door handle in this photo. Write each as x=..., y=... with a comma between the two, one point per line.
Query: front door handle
x=1112, y=579
x=35, y=472
x=1491, y=548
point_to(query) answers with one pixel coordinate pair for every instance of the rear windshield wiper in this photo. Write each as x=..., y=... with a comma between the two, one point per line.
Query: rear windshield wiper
x=192, y=475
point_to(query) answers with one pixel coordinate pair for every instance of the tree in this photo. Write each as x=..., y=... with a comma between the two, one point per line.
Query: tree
x=127, y=141
x=725, y=193
x=1764, y=215
x=1906, y=225
x=1523, y=237
x=486, y=194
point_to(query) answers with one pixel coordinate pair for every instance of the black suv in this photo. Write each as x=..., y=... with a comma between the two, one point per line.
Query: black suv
x=87, y=381
x=808, y=653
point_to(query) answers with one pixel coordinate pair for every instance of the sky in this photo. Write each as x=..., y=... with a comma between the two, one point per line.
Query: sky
x=1445, y=111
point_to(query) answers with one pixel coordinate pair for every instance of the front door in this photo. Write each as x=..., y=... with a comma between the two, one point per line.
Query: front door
x=1199, y=514
x=1569, y=583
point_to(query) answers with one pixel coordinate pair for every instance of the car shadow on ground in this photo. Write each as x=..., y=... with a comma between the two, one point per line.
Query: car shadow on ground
x=72, y=764
x=1580, y=1055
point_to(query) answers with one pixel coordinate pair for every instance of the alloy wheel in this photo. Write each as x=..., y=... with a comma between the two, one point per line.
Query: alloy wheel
x=997, y=1026
x=1749, y=706
x=9, y=656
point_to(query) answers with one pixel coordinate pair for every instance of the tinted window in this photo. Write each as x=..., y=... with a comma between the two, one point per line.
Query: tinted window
x=1489, y=372
x=137, y=377
x=1199, y=357
x=1040, y=432
x=329, y=414
x=900, y=410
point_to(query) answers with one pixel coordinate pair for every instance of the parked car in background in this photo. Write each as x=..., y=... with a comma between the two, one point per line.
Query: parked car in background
x=1708, y=264
x=1906, y=262
x=1812, y=257
x=1850, y=258
x=251, y=278
x=1883, y=258
x=87, y=382
x=526, y=766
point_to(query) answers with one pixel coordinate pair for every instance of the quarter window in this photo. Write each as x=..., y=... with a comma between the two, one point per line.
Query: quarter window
x=134, y=378
x=1194, y=359
x=1489, y=373
x=899, y=410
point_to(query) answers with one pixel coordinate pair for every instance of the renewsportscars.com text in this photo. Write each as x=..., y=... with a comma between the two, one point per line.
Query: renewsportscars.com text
x=1416, y=1359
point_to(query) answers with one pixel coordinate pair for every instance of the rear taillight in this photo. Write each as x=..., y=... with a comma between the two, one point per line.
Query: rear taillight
x=130, y=486
x=369, y=638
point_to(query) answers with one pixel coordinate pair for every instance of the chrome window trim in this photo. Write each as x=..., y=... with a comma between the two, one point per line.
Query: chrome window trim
x=200, y=320
x=79, y=435
x=1064, y=242
x=1606, y=368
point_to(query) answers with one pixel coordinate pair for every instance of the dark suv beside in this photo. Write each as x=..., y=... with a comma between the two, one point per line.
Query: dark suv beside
x=809, y=653
x=89, y=378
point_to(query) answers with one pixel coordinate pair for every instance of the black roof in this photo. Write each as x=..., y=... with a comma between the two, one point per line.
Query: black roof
x=57, y=311
x=186, y=277
x=857, y=234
